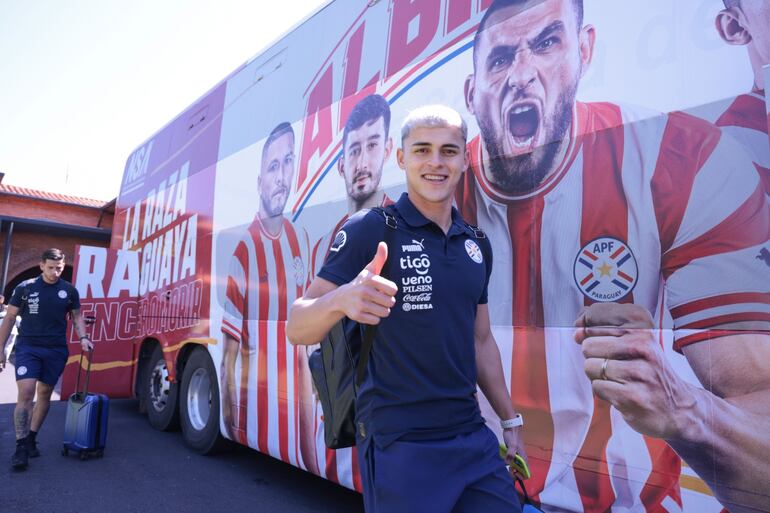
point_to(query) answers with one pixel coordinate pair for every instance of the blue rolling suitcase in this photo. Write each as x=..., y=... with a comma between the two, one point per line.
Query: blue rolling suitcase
x=85, y=426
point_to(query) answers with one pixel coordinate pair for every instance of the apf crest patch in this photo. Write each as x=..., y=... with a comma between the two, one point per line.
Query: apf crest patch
x=474, y=251
x=299, y=271
x=605, y=269
x=62, y=294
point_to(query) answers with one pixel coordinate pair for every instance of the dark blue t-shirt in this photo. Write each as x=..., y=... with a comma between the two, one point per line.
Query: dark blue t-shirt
x=421, y=376
x=44, y=313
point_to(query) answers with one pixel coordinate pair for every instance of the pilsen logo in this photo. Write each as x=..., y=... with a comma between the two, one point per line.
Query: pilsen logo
x=416, y=28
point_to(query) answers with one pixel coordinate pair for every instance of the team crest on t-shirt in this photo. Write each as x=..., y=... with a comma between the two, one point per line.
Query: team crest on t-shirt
x=339, y=240
x=21, y=370
x=605, y=269
x=474, y=251
x=63, y=294
x=299, y=271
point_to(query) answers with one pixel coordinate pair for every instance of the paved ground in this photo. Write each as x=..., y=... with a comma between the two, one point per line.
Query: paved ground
x=148, y=471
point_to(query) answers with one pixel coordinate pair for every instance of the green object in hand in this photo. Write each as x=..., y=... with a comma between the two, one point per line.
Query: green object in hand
x=519, y=465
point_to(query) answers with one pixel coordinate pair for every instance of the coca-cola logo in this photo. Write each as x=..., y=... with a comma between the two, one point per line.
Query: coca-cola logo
x=425, y=296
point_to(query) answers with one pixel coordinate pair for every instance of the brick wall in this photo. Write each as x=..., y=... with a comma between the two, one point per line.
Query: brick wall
x=29, y=208
x=27, y=246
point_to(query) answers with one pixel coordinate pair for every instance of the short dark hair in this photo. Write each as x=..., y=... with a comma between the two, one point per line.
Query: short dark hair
x=280, y=130
x=498, y=5
x=52, y=254
x=367, y=111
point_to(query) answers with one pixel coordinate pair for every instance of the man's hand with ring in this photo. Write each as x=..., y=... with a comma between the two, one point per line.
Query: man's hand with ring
x=627, y=368
x=603, y=375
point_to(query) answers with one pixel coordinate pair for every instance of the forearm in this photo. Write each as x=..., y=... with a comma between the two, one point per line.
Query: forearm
x=80, y=327
x=492, y=380
x=5, y=331
x=311, y=319
x=725, y=442
x=306, y=420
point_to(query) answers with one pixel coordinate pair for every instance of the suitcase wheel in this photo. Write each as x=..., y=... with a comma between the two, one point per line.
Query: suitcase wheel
x=65, y=451
x=100, y=453
x=83, y=455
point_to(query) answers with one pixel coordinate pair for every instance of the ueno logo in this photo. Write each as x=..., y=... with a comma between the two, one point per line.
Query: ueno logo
x=421, y=264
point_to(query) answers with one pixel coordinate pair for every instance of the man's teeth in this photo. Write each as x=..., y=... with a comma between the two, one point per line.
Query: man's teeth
x=522, y=109
x=519, y=142
x=435, y=178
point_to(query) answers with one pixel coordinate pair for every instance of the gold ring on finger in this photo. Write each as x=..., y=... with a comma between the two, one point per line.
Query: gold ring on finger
x=603, y=374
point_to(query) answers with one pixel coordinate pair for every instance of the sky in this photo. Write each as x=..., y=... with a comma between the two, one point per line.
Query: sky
x=84, y=82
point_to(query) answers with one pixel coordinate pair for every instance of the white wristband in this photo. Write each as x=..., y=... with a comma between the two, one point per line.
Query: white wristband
x=517, y=421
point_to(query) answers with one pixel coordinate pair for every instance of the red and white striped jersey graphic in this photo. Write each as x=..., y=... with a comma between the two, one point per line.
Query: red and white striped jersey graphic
x=266, y=274
x=340, y=465
x=744, y=118
x=640, y=201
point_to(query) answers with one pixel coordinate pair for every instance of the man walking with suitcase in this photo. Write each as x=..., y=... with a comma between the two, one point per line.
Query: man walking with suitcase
x=41, y=347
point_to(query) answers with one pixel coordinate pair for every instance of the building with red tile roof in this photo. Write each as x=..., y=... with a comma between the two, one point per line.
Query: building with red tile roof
x=32, y=221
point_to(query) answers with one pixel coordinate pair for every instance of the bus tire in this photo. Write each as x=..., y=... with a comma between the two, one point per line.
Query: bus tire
x=160, y=394
x=199, y=404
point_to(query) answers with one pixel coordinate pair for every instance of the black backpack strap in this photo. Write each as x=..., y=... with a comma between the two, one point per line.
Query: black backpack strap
x=477, y=232
x=370, y=331
x=71, y=290
x=24, y=296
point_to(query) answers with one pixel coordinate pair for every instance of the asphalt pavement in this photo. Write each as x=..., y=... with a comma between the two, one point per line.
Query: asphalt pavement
x=144, y=470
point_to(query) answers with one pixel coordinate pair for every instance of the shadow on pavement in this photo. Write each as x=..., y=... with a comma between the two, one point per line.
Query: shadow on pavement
x=144, y=470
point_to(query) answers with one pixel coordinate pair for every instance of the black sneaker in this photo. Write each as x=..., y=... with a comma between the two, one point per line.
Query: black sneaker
x=19, y=460
x=32, y=448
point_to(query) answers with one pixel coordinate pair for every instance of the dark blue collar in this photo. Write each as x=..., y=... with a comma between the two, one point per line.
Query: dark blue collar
x=415, y=219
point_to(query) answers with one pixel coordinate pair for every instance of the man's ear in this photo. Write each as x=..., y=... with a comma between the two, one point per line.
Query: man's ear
x=388, y=148
x=341, y=166
x=586, y=39
x=731, y=28
x=400, y=159
x=470, y=90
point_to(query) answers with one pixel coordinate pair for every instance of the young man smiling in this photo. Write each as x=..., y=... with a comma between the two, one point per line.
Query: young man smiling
x=422, y=443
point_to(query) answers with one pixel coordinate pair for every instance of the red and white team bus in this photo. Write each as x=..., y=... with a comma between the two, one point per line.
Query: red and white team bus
x=619, y=153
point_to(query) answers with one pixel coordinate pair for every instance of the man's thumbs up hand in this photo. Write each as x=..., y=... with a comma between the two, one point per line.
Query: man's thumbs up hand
x=375, y=266
x=369, y=297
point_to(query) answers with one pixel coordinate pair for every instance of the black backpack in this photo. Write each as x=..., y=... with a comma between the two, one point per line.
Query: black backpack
x=339, y=365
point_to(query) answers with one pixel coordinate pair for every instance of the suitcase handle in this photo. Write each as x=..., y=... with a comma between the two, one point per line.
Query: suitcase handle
x=88, y=372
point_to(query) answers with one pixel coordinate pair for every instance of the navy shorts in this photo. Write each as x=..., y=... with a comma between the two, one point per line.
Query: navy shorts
x=464, y=474
x=43, y=363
